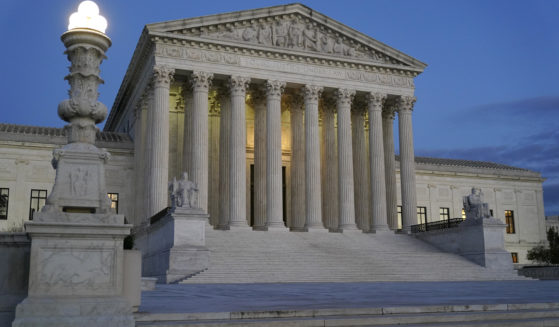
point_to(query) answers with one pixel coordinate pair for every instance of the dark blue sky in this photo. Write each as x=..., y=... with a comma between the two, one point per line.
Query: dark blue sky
x=490, y=91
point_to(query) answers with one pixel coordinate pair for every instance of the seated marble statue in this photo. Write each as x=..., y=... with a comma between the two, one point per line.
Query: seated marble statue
x=474, y=206
x=184, y=193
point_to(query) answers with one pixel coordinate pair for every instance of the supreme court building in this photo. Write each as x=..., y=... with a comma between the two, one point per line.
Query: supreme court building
x=284, y=118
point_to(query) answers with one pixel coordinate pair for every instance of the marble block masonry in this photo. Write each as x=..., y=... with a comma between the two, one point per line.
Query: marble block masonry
x=76, y=262
x=173, y=243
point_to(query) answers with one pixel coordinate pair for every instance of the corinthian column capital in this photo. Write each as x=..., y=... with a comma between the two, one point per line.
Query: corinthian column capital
x=345, y=96
x=257, y=95
x=201, y=80
x=162, y=76
x=274, y=88
x=376, y=100
x=405, y=103
x=389, y=112
x=312, y=93
x=238, y=84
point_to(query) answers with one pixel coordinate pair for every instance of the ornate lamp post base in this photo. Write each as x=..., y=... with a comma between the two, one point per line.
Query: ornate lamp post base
x=77, y=266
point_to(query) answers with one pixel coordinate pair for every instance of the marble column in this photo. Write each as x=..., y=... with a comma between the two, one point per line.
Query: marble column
x=297, y=162
x=139, y=158
x=360, y=165
x=213, y=164
x=390, y=166
x=330, y=164
x=200, y=82
x=407, y=163
x=237, y=153
x=258, y=102
x=377, y=163
x=312, y=159
x=158, y=141
x=274, y=213
x=187, y=137
x=224, y=98
x=345, y=161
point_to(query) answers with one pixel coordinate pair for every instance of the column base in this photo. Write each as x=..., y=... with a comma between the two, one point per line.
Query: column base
x=317, y=229
x=240, y=228
x=74, y=311
x=278, y=229
x=351, y=227
x=383, y=229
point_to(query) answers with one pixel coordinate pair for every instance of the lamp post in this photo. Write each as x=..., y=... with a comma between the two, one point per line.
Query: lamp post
x=76, y=268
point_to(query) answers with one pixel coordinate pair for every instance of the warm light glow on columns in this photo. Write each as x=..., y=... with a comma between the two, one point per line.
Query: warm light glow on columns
x=274, y=213
x=345, y=161
x=237, y=152
x=258, y=101
x=376, y=153
x=224, y=98
x=407, y=163
x=390, y=167
x=360, y=164
x=158, y=140
x=200, y=82
x=312, y=159
x=330, y=164
x=297, y=162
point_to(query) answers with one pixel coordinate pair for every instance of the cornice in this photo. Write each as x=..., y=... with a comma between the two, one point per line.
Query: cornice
x=284, y=12
x=292, y=55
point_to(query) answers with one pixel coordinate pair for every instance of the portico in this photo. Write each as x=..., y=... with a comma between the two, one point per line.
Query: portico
x=311, y=109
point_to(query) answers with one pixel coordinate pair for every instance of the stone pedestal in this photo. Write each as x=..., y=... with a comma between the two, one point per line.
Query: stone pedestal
x=76, y=272
x=482, y=241
x=173, y=247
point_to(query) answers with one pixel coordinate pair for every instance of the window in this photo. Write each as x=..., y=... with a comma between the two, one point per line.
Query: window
x=491, y=212
x=4, y=197
x=399, y=213
x=514, y=257
x=444, y=213
x=509, y=220
x=114, y=201
x=422, y=215
x=38, y=199
x=463, y=213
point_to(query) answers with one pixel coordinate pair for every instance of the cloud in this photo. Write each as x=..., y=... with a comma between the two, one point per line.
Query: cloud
x=538, y=107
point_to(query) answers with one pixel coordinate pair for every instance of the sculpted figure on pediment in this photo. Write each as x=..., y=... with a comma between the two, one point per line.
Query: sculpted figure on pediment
x=265, y=34
x=294, y=33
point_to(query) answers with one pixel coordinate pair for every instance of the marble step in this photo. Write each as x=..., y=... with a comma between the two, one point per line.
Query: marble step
x=453, y=315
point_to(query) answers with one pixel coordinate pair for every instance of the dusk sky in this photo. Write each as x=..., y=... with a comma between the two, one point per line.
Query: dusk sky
x=490, y=91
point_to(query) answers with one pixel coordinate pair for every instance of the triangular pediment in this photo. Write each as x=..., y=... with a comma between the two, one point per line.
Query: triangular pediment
x=295, y=28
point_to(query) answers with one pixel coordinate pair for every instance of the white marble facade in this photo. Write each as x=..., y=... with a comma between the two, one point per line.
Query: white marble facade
x=272, y=112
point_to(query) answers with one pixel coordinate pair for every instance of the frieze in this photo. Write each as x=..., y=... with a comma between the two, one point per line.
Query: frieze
x=173, y=51
x=290, y=32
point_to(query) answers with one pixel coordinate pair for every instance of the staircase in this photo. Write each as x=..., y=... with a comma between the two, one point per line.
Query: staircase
x=246, y=256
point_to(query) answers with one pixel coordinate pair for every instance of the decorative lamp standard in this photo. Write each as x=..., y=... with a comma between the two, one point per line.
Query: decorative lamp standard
x=76, y=269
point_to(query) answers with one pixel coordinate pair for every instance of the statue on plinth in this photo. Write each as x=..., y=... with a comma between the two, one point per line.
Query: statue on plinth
x=474, y=206
x=184, y=193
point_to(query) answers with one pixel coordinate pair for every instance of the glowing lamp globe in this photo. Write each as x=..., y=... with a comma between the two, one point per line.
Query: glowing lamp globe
x=88, y=17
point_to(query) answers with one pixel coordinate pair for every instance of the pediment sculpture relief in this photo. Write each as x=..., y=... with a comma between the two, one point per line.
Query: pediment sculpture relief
x=293, y=32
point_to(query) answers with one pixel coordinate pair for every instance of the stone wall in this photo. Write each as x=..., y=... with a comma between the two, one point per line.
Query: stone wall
x=14, y=272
